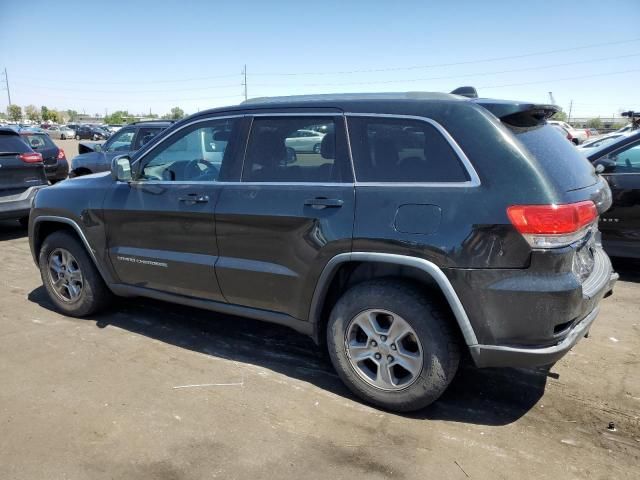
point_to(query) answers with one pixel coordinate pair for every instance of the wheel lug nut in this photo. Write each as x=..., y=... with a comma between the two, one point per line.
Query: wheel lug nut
x=377, y=356
x=374, y=343
x=393, y=346
x=383, y=338
x=389, y=358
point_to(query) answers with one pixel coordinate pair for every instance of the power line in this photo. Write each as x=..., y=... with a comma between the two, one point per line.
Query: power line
x=379, y=82
x=434, y=65
x=560, y=79
x=447, y=77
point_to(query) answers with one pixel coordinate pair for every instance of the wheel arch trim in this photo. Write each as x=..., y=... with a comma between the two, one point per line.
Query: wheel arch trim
x=430, y=268
x=73, y=224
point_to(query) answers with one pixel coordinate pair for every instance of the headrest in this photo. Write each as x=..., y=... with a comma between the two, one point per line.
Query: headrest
x=328, y=146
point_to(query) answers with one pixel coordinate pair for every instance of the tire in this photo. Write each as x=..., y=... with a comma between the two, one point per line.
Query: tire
x=93, y=293
x=77, y=137
x=316, y=148
x=62, y=137
x=433, y=341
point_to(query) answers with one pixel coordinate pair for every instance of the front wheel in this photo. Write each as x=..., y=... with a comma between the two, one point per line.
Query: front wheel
x=62, y=137
x=70, y=277
x=393, y=345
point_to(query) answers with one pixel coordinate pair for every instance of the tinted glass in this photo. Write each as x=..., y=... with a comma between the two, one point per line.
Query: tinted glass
x=291, y=150
x=195, y=154
x=402, y=150
x=12, y=144
x=558, y=157
x=121, y=141
x=37, y=141
x=145, y=135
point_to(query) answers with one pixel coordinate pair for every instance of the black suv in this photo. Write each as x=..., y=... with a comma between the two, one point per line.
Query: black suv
x=91, y=133
x=426, y=225
x=21, y=176
x=95, y=158
x=56, y=166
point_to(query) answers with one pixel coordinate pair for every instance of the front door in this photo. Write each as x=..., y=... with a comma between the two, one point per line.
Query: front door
x=620, y=225
x=290, y=214
x=161, y=230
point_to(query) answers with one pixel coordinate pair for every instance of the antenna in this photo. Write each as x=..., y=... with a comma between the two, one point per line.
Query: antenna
x=244, y=83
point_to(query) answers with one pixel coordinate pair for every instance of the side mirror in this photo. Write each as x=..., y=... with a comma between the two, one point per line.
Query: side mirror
x=97, y=147
x=599, y=168
x=605, y=165
x=121, y=169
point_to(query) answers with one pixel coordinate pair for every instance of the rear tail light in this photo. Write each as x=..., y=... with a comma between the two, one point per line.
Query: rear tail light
x=549, y=226
x=31, y=157
x=61, y=155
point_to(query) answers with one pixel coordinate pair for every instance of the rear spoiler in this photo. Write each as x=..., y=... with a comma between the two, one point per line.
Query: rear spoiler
x=519, y=114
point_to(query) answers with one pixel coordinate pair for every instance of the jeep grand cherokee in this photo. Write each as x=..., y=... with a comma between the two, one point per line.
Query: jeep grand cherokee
x=424, y=225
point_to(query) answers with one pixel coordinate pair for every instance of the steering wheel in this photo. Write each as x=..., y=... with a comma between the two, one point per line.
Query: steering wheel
x=192, y=171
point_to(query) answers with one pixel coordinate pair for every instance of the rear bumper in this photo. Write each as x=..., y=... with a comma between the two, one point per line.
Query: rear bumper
x=508, y=356
x=534, y=316
x=19, y=205
x=59, y=171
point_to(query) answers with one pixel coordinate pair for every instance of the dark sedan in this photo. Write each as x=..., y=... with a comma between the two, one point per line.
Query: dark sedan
x=619, y=162
x=55, y=162
x=87, y=132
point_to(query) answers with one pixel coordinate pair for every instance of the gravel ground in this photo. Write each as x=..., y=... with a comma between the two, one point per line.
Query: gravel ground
x=150, y=390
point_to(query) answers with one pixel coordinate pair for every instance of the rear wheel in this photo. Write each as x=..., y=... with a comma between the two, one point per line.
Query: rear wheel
x=77, y=137
x=62, y=137
x=392, y=345
x=70, y=276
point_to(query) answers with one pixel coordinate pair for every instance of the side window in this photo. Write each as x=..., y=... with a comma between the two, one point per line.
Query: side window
x=121, y=141
x=197, y=153
x=279, y=151
x=145, y=135
x=402, y=150
x=626, y=160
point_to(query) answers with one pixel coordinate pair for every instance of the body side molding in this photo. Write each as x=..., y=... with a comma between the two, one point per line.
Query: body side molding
x=426, y=266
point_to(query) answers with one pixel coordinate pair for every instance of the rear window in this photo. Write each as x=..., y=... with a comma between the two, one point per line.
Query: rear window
x=402, y=150
x=38, y=141
x=556, y=155
x=11, y=144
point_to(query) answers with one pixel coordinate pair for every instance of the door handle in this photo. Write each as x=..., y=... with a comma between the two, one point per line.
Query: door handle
x=194, y=198
x=322, y=202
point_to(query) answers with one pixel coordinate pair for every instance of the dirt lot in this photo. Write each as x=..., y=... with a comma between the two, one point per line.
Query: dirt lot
x=150, y=390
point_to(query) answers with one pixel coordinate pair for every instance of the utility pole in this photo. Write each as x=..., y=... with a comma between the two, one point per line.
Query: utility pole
x=570, y=108
x=244, y=83
x=6, y=82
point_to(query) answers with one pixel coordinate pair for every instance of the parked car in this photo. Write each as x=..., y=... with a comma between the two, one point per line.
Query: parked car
x=433, y=225
x=61, y=132
x=593, y=132
x=95, y=158
x=601, y=140
x=620, y=164
x=305, y=141
x=21, y=176
x=562, y=131
x=91, y=133
x=577, y=135
x=54, y=159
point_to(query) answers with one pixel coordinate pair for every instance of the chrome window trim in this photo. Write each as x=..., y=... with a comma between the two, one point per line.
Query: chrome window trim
x=474, y=179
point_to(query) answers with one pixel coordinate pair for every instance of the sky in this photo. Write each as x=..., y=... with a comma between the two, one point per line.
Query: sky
x=149, y=56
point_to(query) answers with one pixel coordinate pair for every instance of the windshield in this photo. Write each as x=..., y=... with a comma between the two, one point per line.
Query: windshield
x=595, y=152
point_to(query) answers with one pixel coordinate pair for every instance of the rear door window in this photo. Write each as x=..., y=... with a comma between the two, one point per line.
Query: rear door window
x=402, y=150
x=295, y=149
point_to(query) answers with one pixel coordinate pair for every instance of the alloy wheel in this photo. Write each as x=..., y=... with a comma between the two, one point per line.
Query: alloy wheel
x=65, y=275
x=383, y=349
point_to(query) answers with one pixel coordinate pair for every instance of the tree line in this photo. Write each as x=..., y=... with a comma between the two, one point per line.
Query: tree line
x=15, y=113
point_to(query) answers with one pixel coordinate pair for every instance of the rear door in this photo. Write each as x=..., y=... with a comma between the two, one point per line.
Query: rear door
x=17, y=175
x=160, y=227
x=290, y=214
x=620, y=225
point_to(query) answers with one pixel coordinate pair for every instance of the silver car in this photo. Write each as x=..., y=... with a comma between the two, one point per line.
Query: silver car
x=61, y=133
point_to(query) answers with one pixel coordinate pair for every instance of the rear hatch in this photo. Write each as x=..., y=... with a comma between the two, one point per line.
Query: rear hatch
x=16, y=174
x=563, y=164
x=41, y=143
